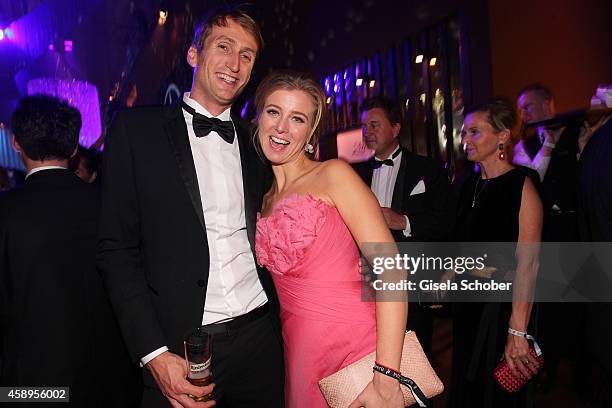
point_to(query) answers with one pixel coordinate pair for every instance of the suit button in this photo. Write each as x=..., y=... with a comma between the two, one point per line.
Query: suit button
x=201, y=283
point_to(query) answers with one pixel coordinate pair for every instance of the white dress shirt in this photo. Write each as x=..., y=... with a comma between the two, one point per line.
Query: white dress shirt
x=539, y=163
x=233, y=284
x=41, y=168
x=383, y=184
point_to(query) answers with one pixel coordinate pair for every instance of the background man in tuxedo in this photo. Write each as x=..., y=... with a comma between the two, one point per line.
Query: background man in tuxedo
x=413, y=191
x=554, y=155
x=181, y=189
x=58, y=328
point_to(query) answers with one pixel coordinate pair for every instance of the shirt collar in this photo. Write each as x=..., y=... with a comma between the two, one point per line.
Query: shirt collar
x=225, y=115
x=395, y=156
x=41, y=168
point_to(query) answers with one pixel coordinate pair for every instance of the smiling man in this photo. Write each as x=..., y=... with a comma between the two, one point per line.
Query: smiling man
x=182, y=186
x=413, y=191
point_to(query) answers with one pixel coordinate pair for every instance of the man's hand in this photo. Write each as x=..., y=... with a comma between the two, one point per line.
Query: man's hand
x=395, y=220
x=586, y=131
x=365, y=270
x=553, y=135
x=170, y=373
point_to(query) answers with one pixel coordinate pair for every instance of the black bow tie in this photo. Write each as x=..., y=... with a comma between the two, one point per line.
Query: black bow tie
x=203, y=125
x=377, y=164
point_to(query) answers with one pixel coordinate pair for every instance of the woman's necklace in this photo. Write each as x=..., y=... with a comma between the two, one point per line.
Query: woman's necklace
x=477, y=190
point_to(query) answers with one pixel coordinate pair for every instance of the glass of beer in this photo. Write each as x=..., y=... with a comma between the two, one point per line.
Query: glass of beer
x=198, y=354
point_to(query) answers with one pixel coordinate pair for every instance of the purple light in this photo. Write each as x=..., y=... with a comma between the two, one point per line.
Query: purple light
x=245, y=110
x=8, y=33
x=328, y=85
x=80, y=94
x=68, y=45
x=1, y=34
x=50, y=47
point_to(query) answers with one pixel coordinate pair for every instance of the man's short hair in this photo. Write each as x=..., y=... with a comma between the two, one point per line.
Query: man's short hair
x=218, y=17
x=542, y=91
x=46, y=127
x=390, y=107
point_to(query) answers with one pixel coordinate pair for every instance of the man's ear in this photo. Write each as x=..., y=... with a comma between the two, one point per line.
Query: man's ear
x=192, y=56
x=551, y=107
x=548, y=105
x=396, y=129
x=16, y=146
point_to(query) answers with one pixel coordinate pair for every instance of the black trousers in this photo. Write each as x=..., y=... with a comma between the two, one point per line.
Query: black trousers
x=420, y=320
x=247, y=366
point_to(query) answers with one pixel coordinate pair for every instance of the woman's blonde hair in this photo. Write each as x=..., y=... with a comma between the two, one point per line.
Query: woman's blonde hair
x=291, y=81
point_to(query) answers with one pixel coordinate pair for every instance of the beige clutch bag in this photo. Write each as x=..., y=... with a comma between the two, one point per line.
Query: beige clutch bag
x=342, y=387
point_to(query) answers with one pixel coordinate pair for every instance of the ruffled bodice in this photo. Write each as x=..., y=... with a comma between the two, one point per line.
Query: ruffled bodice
x=284, y=237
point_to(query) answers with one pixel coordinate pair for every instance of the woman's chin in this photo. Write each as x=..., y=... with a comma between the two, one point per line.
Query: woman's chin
x=274, y=158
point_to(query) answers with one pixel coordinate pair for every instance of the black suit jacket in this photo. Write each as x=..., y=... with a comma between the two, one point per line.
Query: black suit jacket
x=560, y=183
x=559, y=187
x=152, y=248
x=432, y=213
x=58, y=328
x=595, y=215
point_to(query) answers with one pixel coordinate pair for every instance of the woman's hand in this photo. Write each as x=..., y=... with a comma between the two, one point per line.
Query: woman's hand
x=380, y=392
x=520, y=361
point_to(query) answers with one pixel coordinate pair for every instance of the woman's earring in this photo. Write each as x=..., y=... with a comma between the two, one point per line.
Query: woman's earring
x=502, y=154
x=309, y=148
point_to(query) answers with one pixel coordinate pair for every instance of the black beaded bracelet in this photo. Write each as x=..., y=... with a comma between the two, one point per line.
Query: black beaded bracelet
x=389, y=372
x=418, y=395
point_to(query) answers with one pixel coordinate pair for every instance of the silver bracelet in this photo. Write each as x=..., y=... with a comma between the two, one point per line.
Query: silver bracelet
x=519, y=333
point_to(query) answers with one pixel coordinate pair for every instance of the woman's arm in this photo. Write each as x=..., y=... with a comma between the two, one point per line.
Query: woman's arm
x=362, y=215
x=530, y=228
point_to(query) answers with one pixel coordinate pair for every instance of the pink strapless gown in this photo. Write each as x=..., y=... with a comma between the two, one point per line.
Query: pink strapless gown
x=314, y=263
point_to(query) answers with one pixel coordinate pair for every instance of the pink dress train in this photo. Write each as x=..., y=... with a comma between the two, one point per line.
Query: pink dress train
x=314, y=263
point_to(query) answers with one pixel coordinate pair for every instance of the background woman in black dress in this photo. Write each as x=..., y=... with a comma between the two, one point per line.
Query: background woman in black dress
x=499, y=204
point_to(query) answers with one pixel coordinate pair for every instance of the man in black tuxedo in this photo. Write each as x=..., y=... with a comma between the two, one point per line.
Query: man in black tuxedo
x=181, y=190
x=554, y=155
x=413, y=191
x=58, y=328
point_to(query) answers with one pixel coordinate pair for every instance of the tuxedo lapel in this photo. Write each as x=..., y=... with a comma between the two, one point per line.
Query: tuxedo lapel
x=365, y=171
x=532, y=145
x=176, y=131
x=250, y=178
x=407, y=178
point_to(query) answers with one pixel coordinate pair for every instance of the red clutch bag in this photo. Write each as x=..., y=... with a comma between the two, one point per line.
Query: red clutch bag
x=504, y=376
x=507, y=380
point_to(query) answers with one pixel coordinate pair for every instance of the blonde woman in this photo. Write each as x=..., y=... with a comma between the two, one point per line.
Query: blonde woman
x=314, y=219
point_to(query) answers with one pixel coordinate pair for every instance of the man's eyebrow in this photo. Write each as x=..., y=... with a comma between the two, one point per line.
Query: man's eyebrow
x=225, y=38
x=233, y=42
